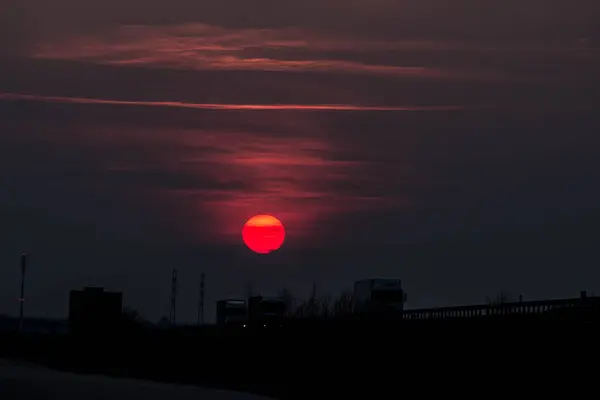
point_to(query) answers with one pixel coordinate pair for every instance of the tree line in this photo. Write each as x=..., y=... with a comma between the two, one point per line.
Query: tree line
x=317, y=306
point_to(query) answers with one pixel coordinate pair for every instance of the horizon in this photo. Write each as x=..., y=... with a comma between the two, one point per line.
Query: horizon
x=454, y=148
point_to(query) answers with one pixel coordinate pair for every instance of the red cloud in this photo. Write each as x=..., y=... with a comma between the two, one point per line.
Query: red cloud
x=200, y=46
x=220, y=106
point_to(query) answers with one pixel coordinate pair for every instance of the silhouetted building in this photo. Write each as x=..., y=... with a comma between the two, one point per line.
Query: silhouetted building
x=383, y=296
x=231, y=312
x=266, y=310
x=94, y=309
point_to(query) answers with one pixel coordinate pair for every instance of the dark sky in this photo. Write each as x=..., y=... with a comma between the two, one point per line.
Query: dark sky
x=453, y=144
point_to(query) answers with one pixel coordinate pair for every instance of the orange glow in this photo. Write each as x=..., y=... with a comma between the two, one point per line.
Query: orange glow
x=263, y=233
x=215, y=106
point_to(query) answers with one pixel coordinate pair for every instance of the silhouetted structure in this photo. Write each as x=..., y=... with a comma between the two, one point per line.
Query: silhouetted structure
x=22, y=297
x=201, y=301
x=582, y=308
x=380, y=297
x=94, y=310
x=173, y=309
x=231, y=312
x=265, y=310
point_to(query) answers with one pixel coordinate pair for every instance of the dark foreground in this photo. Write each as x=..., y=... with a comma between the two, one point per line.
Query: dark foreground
x=316, y=360
x=20, y=381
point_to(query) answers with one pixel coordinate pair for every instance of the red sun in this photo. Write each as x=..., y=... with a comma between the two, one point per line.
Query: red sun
x=263, y=233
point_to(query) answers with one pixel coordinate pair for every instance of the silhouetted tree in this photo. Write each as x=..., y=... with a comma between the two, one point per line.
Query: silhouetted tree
x=324, y=306
x=313, y=302
x=343, y=304
x=289, y=300
x=131, y=315
x=132, y=319
x=500, y=298
x=315, y=307
x=310, y=307
x=163, y=323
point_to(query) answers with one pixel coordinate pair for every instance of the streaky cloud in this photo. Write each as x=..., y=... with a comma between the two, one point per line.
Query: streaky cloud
x=201, y=47
x=217, y=106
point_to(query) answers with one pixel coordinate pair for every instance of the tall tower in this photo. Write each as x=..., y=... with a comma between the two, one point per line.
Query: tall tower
x=201, y=301
x=22, y=296
x=173, y=310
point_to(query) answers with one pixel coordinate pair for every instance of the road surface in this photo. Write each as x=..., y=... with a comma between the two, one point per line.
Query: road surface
x=29, y=382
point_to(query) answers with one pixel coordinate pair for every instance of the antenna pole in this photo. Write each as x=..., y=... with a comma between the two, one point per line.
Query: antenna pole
x=173, y=311
x=201, y=301
x=250, y=290
x=22, y=297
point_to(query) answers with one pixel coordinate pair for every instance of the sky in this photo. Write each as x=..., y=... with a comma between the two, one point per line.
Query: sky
x=453, y=144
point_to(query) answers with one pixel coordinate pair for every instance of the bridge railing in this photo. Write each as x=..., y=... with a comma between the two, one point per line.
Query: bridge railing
x=503, y=309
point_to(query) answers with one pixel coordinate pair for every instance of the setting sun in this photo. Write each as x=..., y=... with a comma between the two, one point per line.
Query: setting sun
x=263, y=233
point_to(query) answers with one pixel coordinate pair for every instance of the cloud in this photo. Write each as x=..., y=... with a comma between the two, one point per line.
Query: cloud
x=197, y=184
x=512, y=20
x=201, y=47
x=290, y=176
x=13, y=31
x=197, y=46
x=231, y=107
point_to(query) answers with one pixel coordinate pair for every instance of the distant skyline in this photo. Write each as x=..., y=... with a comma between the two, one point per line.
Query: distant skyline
x=451, y=145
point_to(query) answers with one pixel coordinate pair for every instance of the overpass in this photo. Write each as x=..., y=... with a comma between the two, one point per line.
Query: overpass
x=560, y=307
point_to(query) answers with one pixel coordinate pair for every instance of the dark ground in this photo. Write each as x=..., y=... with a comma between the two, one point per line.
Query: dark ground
x=26, y=381
x=340, y=360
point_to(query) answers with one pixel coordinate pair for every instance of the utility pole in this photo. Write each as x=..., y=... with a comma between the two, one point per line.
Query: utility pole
x=313, y=300
x=173, y=310
x=250, y=290
x=22, y=297
x=201, y=301
x=313, y=292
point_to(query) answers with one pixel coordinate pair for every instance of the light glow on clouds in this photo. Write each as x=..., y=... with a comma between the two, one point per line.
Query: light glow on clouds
x=199, y=46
